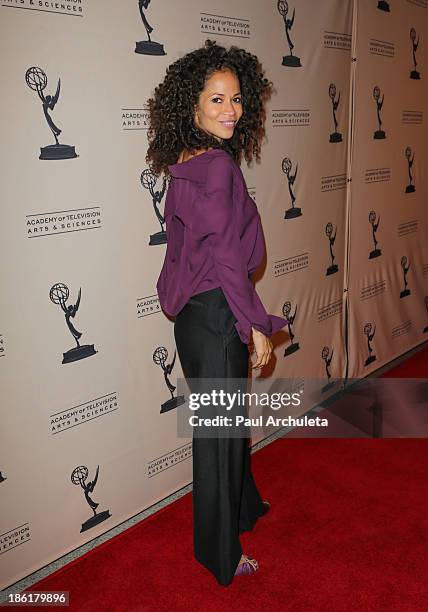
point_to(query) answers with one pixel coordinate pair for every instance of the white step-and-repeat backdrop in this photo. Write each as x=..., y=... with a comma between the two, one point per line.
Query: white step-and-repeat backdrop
x=86, y=353
x=387, y=215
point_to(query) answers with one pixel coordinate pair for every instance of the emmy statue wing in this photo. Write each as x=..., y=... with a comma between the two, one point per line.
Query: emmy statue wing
x=164, y=186
x=173, y=361
x=56, y=96
x=76, y=307
x=92, y=484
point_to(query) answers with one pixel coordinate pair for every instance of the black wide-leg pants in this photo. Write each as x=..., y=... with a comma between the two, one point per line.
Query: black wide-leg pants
x=226, y=501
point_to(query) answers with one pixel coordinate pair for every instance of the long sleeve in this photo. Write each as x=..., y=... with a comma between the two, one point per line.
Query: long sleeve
x=217, y=220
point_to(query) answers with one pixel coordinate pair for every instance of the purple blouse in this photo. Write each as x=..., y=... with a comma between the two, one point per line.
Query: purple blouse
x=215, y=239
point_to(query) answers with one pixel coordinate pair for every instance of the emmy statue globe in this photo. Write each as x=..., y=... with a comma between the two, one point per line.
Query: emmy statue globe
x=59, y=294
x=294, y=346
x=147, y=47
x=79, y=477
x=406, y=291
x=379, y=133
x=372, y=220
x=426, y=306
x=148, y=181
x=37, y=80
x=288, y=60
x=333, y=268
x=410, y=188
x=294, y=211
x=326, y=357
x=414, y=74
x=160, y=356
x=370, y=335
x=334, y=136
x=382, y=5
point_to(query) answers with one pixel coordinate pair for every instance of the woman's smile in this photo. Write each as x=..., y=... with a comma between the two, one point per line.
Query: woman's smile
x=228, y=124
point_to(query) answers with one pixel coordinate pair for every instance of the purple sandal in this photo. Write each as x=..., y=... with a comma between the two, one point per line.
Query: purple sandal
x=249, y=566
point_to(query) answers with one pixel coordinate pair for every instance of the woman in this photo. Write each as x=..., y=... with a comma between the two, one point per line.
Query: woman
x=206, y=114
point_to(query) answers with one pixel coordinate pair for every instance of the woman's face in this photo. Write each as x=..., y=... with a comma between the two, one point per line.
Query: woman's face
x=220, y=105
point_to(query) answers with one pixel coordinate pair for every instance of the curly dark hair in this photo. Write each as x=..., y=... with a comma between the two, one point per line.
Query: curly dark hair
x=171, y=109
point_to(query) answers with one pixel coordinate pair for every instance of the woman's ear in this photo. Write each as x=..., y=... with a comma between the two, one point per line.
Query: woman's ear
x=196, y=116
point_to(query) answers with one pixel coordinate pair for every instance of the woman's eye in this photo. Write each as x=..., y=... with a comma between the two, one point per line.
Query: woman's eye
x=237, y=99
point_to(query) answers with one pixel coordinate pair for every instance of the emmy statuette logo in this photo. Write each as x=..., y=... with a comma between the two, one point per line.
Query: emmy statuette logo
x=379, y=133
x=37, y=80
x=288, y=60
x=370, y=335
x=160, y=356
x=147, y=47
x=426, y=306
x=294, y=211
x=334, y=136
x=333, y=268
x=79, y=477
x=410, y=188
x=375, y=224
x=382, y=5
x=293, y=346
x=327, y=357
x=148, y=181
x=414, y=74
x=2, y=477
x=405, y=292
x=59, y=294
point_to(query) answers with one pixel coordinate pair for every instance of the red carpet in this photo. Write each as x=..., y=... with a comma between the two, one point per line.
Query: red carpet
x=414, y=367
x=347, y=531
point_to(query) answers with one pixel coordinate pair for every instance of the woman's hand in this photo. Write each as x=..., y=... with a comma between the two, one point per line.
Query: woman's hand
x=263, y=348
